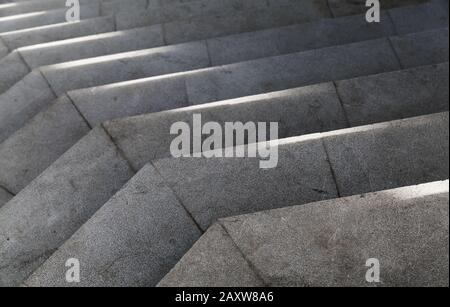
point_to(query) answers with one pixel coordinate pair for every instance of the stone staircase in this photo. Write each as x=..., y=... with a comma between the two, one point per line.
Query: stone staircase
x=86, y=172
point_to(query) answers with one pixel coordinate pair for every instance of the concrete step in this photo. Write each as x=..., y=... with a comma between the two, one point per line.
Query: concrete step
x=91, y=107
x=200, y=191
x=326, y=244
x=317, y=108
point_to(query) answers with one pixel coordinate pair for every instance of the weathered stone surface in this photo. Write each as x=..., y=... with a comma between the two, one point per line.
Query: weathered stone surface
x=317, y=34
x=298, y=111
x=113, y=7
x=12, y=70
x=390, y=155
x=42, y=141
x=150, y=233
x=220, y=25
x=146, y=241
x=396, y=95
x=131, y=98
x=360, y=30
x=167, y=12
x=289, y=70
x=214, y=261
x=217, y=14
x=103, y=70
x=221, y=187
x=50, y=209
x=277, y=73
x=224, y=50
x=422, y=48
x=363, y=160
x=22, y=102
x=328, y=243
x=190, y=56
x=423, y=17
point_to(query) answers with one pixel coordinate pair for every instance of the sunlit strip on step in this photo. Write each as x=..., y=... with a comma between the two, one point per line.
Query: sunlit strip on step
x=23, y=16
x=89, y=38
